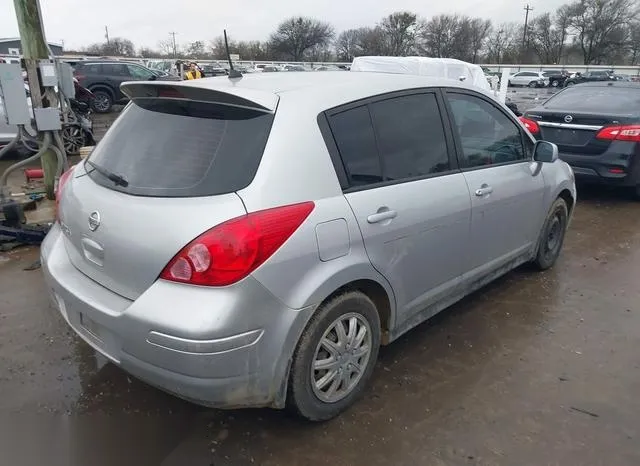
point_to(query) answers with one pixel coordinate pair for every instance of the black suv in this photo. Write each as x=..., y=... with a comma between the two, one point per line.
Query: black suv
x=590, y=76
x=103, y=78
x=557, y=78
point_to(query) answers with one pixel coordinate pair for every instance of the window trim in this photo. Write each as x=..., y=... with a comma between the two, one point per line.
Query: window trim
x=458, y=143
x=336, y=157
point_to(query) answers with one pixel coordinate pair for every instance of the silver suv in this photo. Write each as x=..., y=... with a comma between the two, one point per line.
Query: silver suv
x=252, y=242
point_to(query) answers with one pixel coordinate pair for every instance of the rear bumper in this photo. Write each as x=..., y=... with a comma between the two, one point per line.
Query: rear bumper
x=597, y=169
x=226, y=347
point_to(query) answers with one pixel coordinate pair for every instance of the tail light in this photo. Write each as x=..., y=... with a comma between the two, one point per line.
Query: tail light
x=232, y=250
x=620, y=133
x=531, y=125
x=64, y=178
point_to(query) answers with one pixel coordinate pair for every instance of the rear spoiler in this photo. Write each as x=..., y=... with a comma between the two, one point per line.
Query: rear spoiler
x=232, y=96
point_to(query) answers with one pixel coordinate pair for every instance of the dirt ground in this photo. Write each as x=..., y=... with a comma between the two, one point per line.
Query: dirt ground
x=537, y=369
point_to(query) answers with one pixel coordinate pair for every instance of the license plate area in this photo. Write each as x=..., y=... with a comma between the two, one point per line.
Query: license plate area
x=570, y=137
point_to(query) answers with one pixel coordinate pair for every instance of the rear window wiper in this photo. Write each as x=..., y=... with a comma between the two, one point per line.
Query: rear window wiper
x=118, y=180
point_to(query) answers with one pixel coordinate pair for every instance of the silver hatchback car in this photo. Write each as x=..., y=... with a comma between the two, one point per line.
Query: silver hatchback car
x=253, y=241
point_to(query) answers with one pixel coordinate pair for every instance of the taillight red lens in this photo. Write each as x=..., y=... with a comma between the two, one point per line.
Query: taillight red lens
x=232, y=250
x=64, y=178
x=531, y=125
x=620, y=133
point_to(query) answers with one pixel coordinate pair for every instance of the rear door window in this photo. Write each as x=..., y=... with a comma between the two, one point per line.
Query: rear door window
x=115, y=69
x=410, y=136
x=170, y=148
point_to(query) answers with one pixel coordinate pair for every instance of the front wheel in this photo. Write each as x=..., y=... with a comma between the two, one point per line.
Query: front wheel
x=555, y=83
x=335, y=357
x=552, y=235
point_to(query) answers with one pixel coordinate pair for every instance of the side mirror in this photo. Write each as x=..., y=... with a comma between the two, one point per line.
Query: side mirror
x=545, y=152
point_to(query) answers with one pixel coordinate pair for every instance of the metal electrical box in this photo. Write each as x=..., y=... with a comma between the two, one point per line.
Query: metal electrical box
x=47, y=119
x=65, y=79
x=13, y=95
x=48, y=76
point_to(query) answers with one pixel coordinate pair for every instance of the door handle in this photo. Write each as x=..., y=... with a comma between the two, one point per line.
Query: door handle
x=382, y=216
x=484, y=190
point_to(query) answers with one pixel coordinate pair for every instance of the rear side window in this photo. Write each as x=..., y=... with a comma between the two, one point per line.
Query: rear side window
x=410, y=136
x=167, y=148
x=89, y=69
x=605, y=99
x=353, y=133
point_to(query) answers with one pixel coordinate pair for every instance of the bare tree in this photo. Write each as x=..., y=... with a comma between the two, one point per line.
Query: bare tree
x=599, y=26
x=348, y=44
x=546, y=39
x=295, y=36
x=503, y=43
x=401, y=30
x=479, y=33
x=634, y=43
x=117, y=46
x=166, y=47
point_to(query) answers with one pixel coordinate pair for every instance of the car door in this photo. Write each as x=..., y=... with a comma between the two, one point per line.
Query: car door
x=116, y=74
x=516, y=79
x=506, y=186
x=410, y=200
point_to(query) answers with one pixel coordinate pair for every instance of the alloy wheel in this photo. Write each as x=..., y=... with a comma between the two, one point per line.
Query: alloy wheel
x=341, y=357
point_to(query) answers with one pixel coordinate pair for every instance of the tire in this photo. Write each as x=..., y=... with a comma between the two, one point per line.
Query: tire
x=307, y=396
x=555, y=83
x=103, y=101
x=533, y=84
x=570, y=83
x=552, y=235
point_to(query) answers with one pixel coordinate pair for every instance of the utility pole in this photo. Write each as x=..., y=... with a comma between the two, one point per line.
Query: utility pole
x=34, y=48
x=175, y=52
x=526, y=23
x=106, y=33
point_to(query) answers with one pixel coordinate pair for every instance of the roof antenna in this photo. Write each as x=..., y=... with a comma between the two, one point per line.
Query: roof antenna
x=232, y=73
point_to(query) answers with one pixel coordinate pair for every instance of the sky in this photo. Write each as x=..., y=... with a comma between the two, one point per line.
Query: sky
x=78, y=23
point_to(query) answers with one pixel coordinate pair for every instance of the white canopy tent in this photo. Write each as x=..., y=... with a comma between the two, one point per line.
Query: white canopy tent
x=424, y=66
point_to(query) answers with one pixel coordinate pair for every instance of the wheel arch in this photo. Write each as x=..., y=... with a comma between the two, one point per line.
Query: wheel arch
x=103, y=87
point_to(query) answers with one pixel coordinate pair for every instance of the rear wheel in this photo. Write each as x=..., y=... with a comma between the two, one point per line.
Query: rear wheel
x=335, y=357
x=533, y=84
x=552, y=235
x=102, y=101
x=555, y=83
x=570, y=83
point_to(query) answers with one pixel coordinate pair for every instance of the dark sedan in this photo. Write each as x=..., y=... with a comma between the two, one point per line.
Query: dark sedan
x=597, y=129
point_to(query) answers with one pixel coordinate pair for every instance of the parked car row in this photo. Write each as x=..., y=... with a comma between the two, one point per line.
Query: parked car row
x=562, y=78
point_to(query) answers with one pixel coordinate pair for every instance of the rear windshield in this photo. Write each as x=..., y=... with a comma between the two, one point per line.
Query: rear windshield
x=605, y=99
x=171, y=148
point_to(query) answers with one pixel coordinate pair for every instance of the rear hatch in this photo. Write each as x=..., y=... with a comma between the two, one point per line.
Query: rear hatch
x=572, y=118
x=165, y=172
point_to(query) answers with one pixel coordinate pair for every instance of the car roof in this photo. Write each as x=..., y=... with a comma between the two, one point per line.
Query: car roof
x=630, y=84
x=373, y=83
x=310, y=92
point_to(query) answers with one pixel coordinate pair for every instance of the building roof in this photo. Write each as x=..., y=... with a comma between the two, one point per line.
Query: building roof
x=13, y=39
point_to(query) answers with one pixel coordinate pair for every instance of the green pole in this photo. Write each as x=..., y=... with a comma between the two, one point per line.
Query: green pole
x=34, y=48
